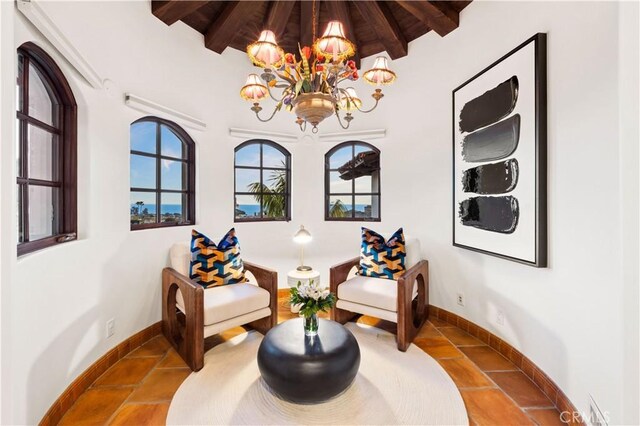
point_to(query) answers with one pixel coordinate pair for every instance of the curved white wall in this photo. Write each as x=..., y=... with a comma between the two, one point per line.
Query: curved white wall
x=567, y=318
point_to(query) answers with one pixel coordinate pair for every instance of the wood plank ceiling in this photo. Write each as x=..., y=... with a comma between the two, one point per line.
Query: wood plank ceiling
x=374, y=26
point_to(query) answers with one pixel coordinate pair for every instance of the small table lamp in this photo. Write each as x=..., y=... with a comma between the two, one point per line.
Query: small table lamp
x=302, y=237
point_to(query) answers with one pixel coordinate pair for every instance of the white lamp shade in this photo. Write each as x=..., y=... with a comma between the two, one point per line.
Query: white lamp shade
x=380, y=73
x=350, y=101
x=333, y=43
x=302, y=236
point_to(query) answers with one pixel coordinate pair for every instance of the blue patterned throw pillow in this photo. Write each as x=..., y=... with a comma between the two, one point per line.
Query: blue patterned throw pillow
x=380, y=258
x=215, y=265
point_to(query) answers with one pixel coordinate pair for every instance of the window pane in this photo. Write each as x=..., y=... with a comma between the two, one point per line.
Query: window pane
x=367, y=206
x=143, y=137
x=19, y=171
x=173, y=173
x=19, y=214
x=248, y=155
x=42, y=104
x=248, y=180
x=273, y=206
x=42, y=146
x=272, y=157
x=19, y=83
x=340, y=157
x=41, y=212
x=170, y=144
x=340, y=206
x=143, y=172
x=368, y=183
x=143, y=207
x=338, y=185
x=247, y=206
x=171, y=208
x=275, y=180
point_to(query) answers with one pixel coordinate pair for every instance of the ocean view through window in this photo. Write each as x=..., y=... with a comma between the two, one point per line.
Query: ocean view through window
x=262, y=172
x=162, y=174
x=352, y=182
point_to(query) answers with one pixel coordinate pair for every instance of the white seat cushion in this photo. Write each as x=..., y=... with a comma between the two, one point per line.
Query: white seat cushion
x=225, y=302
x=380, y=293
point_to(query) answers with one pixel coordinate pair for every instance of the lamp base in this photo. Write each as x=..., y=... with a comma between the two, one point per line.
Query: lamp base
x=304, y=268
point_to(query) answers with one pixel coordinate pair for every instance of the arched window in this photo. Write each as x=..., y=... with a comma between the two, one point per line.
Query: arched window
x=352, y=182
x=163, y=175
x=46, y=152
x=262, y=182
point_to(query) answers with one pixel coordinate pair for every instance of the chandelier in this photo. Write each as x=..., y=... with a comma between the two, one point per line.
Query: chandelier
x=312, y=83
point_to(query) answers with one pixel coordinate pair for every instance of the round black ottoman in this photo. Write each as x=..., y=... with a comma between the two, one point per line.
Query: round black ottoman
x=306, y=369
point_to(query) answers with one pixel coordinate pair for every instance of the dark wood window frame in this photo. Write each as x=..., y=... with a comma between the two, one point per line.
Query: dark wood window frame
x=327, y=186
x=189, y=184
x=261, y=168
x=64, y=167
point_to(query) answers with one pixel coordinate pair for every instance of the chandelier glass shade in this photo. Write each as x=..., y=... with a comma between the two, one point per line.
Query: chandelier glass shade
x=311, y=79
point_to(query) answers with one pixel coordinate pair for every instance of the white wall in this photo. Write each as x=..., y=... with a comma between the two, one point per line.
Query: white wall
x=566, y=318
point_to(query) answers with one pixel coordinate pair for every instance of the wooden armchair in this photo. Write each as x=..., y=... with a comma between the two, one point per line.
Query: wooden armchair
x=405, y=302
x=191, y=313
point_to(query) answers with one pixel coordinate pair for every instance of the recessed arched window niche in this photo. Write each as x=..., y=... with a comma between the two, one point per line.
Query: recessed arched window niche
x=46, y=133
x=262, y=173
x=162, y=174
x=352, y=182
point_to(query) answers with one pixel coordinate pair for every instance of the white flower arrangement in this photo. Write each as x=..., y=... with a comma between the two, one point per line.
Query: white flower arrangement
x=312, y=297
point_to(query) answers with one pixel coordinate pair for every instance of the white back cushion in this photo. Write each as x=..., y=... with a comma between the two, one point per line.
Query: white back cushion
x=180, y=256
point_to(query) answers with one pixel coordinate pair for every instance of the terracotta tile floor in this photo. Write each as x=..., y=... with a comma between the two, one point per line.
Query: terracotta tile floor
x=139, y=388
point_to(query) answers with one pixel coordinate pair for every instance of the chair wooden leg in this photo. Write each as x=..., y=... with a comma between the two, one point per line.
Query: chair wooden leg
x=263, y=325
x=411, y=318
x=341, y=316
x=187, y=338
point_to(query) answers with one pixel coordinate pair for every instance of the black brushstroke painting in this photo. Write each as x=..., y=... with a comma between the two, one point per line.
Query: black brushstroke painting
x=492, y=143
x=497, y=214
x=495, y=178
x=491, y=106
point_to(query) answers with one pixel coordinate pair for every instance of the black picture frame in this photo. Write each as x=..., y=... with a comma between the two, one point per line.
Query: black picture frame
x=540, y=90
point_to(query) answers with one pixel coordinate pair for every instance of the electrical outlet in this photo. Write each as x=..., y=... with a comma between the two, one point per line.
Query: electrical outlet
x=460, y=299
x=500, y=317
x=111, y=327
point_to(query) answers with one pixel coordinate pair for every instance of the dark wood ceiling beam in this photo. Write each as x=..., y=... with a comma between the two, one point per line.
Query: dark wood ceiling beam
x=438, y=15
x=306, y=24
x=278, y=16
x=386, y=27
x=225, y=27
x=339, y=10
x=172, y=11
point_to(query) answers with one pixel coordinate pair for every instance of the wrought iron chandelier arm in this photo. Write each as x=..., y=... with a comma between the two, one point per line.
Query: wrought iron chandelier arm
x=257, y=108
x=340, y=121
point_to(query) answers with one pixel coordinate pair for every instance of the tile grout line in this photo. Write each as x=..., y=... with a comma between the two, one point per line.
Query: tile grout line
x=524, y=411
x=138, y=385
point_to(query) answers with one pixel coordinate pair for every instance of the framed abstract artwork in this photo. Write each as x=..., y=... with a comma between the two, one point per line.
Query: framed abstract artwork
x=500, y=157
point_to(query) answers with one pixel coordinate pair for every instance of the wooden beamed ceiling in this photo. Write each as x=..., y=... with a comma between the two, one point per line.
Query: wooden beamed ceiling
x=374, y=26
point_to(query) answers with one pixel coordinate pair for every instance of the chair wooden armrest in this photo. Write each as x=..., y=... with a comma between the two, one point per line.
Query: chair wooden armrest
x=337, y=275
x=187, y=339
x=409, y=321
x=268, y=280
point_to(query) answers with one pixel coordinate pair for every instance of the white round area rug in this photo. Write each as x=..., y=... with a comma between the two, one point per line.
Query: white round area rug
x=391, y=387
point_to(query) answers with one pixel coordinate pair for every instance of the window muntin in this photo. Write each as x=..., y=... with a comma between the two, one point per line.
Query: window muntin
x=45, y=152
x=262, y=191
x=352, y=182
x=162, y=173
